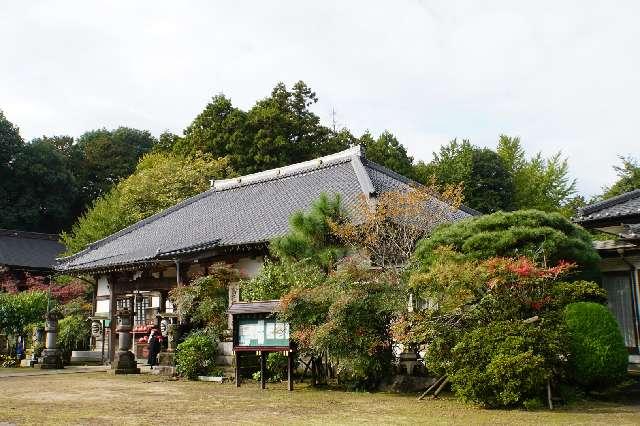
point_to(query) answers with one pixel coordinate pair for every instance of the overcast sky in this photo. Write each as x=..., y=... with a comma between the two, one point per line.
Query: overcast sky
x=561, y=75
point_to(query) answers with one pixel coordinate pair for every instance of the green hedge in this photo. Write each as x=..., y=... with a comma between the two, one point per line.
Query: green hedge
x=196, y=355
x=598, y=356
x=505, y=364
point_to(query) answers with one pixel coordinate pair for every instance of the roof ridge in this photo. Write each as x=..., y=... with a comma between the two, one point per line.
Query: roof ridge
x=592, y=208
x=28, y=234
x=291, y=169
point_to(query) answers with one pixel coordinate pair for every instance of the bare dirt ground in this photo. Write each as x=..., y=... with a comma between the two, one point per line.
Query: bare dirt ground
x=101, y=398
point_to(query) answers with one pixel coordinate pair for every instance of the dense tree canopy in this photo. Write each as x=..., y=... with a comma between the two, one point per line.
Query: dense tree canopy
x=544, y=237
x=387, y=151
x=278, y=130
x=10, y=141
x=46, y=183
x=488, y=185
x=108, y=156
x=41, y=191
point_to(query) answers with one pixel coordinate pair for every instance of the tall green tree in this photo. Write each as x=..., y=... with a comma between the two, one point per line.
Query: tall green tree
x=387, y=151
x=41, y=192
x=488, y=186
x=10, y=144
x=278, y=130
x=10, y=141
x=628, y=178
x=220, y=130
x=108, y=156
x=540, y=183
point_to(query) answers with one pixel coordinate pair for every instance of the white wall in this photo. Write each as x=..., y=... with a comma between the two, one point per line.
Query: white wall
x=249, y=267
x=103, y=286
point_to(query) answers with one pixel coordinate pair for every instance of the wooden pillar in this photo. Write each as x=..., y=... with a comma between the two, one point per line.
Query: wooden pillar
x=113, y=308
x=237, y=368
x=179, y=283
x=263, y=380
x=290, y=370
x=163, y=301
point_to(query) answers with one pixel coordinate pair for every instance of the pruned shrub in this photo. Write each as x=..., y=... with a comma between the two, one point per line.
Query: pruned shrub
x=598, y=356
x=505, y=363
x=196, y=355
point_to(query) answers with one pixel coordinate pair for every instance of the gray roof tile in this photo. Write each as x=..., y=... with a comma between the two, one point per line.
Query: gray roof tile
x=621, y=206
x=28, y=249
x=257, y=307
x=252, y=209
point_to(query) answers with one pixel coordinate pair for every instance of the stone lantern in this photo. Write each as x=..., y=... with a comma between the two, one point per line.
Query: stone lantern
x=51, y=357
x=169, y=330
x=125, y=360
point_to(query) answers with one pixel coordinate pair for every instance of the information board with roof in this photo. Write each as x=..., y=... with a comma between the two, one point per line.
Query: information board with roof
x=257, y=329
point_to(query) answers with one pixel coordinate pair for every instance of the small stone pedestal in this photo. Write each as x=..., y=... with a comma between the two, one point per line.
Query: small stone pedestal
x=167, y=359
x=408, y=360
x=51, y=357
x=125, y=360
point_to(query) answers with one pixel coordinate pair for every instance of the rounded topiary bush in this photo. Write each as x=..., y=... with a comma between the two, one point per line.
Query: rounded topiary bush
x=598, y=356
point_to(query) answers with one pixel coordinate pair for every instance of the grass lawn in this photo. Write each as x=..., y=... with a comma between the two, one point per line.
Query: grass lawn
x=101, y=398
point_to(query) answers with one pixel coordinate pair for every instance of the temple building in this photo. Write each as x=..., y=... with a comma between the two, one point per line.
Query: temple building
x=232, y=222
x=620, y=218
x=23, y=253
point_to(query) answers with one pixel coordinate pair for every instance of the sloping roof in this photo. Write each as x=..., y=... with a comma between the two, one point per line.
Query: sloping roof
x=241, y=211
x=621, y=207
x=259, y=307
x=29, y=250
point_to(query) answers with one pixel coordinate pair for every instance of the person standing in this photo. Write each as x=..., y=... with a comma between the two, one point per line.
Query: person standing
x=154, y=349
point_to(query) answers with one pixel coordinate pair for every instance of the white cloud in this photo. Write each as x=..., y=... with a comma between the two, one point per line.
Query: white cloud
x=562, y=75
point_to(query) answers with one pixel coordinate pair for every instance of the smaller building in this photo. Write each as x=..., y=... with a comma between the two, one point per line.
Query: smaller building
x=23, y=253
x=619, y=217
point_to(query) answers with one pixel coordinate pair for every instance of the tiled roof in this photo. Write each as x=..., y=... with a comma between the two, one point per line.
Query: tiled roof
x=240, y=211
x=28, y=249
x=621, y=206
x=259, y=307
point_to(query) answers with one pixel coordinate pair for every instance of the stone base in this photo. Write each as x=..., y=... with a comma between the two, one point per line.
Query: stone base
x=87, y=357
x=28, y=362
x=167, y=359
x=125, y=363
x=164, y=370
x=50, y=360
x=225, y=354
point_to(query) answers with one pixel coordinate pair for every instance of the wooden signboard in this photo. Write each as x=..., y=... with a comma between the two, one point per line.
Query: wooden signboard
x=257, y=329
